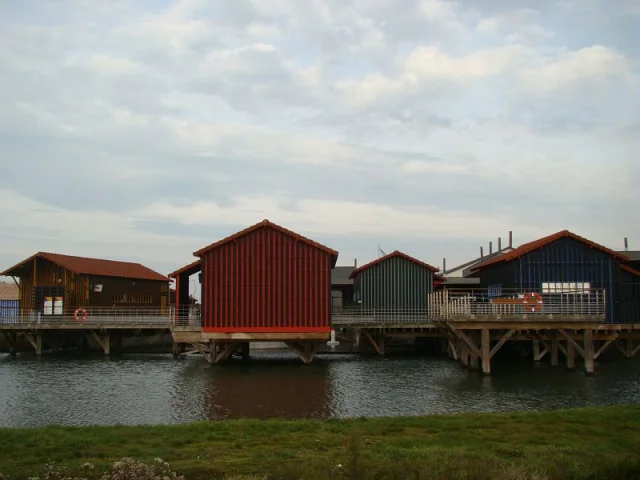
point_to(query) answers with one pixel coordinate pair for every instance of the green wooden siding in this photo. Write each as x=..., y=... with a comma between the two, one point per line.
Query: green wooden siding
x=394, y=283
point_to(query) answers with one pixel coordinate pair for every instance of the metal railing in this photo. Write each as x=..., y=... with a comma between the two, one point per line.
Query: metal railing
x=142, y=317
x=465, y=304
x=450, y=304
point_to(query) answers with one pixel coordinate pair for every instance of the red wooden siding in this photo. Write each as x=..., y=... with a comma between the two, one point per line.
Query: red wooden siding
x=266, y=281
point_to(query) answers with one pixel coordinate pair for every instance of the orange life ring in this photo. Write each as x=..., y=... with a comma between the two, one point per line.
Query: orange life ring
x=80, y=314
x=532, y=302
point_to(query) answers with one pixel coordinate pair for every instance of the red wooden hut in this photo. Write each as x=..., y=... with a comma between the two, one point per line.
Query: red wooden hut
x=265, y=283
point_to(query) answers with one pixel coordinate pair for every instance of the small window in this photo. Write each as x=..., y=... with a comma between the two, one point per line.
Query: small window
x=567, y=288
x=495, y=290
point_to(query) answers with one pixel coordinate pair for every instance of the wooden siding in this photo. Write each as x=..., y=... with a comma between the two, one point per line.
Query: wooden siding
x=43, y=273
x=627, y=301
x=567, y=260
x=77, y=288
x=394, y=283
x=139, y=293
x=266, y=281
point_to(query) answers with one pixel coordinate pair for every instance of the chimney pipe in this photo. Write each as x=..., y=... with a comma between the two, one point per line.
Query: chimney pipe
x=355, y=263
x=499, y=244
x=490, y=248
x=444, y=265
x=481, y=252
x=510, y=239
x=626, y=244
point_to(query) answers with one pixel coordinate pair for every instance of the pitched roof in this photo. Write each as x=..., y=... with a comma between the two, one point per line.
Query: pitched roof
x=263, y=224
x=633, y=255
x=94, y=266
x=189, y=269
x=340, y=275
x=542, y=242
x=395, y=253
x=9, y=291
x=626, y=268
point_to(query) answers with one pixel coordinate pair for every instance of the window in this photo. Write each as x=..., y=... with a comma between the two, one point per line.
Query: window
x=126, y=298
x=495, y=290
x=575, y=288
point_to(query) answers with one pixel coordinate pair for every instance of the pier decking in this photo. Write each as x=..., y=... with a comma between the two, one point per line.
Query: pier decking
x=470, y=325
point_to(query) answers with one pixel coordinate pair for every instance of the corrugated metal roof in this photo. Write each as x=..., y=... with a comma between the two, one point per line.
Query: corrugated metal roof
x=263, y=224
x=94, y=266
x=395, y=253
x=340, y=275
x=536, y=244
x=9, y=291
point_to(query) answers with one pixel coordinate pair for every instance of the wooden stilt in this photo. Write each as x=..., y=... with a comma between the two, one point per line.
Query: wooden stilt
x=175, y=349
x=306, y=350
x=589, y=363
x=604, y=347
x=12, y=340
x=571, y=361
x=103, y=340
x=536, y=350
x=486, y=351
x=554, y=351
x=379, y=348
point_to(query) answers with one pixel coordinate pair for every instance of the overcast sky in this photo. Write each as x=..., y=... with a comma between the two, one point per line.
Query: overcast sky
x=144, y=130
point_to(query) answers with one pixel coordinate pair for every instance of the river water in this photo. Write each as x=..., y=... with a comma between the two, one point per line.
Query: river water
x=159, y=389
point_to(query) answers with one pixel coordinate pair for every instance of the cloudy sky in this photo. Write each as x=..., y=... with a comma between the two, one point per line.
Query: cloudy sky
x=144, y=130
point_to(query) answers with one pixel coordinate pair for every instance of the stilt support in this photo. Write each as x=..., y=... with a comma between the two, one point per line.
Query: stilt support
x=306, y=350
x=378, y=346
x=103, y=340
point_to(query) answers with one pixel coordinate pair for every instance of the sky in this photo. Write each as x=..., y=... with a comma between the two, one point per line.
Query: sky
x=145, y=130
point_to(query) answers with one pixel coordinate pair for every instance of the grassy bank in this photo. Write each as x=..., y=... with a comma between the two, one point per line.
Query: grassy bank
x=580, y=443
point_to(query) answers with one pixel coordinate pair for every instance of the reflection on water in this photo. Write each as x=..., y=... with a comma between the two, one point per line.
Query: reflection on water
x=160, y=389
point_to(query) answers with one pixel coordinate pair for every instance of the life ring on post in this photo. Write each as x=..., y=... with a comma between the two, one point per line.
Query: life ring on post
x=80, y=315
x=532, y=302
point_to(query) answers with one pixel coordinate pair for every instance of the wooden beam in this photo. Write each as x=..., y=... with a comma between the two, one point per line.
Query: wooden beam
x=462, y=336
x=634, y=351
x=554, y=351
x=228, y=349
x=104, y=341
x=30, y=339
x=571, y=358
x=485, y=342
x=453, y=349
x=501, y=342
x=604, y=347
x=372, y=341
x=589, y=361
x=571, y=341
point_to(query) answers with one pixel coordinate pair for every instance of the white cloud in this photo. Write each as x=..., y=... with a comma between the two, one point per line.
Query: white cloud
x=159, y=128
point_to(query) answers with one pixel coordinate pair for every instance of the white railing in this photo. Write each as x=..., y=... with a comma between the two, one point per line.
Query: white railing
x=142, y=317
x=462, y=304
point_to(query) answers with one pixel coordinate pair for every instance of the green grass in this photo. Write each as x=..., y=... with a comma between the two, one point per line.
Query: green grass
x=589, y=443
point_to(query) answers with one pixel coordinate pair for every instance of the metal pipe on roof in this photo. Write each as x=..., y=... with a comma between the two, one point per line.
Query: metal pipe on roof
x=355, y=263
x=510, y=239
x=499, y=244
x=444, y=264
x=481, y=252
x=626, y=244
x=490, y=248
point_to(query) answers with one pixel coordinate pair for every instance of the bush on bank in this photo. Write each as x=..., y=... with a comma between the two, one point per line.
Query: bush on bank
x=589, y=443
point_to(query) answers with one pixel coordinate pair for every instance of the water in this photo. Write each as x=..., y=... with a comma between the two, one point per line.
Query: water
x=159, y=389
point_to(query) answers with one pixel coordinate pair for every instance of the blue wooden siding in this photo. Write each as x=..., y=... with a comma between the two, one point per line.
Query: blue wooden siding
x=394, y=283
x=9, y=310
x=567, y=260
